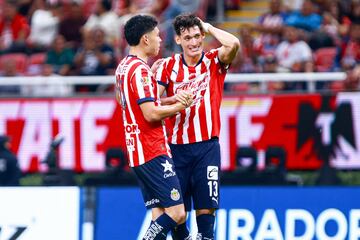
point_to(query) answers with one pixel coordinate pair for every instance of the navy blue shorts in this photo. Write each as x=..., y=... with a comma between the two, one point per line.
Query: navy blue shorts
x=159, y=184
x=197, y=166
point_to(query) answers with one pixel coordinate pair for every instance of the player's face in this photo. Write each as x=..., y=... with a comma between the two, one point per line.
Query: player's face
x=154, y=42
x=191, y=41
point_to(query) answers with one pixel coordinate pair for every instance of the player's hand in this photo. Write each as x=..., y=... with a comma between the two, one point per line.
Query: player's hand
x=156, y=65
x=185, y=98
x=205, y=25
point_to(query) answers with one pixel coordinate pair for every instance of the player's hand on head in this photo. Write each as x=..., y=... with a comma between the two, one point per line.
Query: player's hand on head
x=204, y=25
x=156, y=65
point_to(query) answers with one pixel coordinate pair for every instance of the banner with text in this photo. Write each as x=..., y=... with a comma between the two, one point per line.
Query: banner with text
x=309, y=129
x=246, y=213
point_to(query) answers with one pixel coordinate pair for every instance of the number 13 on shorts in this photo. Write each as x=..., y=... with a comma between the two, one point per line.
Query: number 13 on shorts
x=213, y=178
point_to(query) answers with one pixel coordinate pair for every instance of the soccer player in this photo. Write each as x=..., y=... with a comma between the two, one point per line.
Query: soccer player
x=195, y=131
x=148, y=151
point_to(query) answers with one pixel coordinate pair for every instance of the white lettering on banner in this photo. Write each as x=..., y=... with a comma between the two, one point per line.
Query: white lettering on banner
x=247, y=132
x=335, y=215
x=67, y=113
x=324, y=121
x=352, y=155
x=269, y=227
x=92, y=134
x=240, y=224
x=354, y=229
x=39, y=117
x=293, y=215
x=37, y=133
x=8, y=110
x=235, y=231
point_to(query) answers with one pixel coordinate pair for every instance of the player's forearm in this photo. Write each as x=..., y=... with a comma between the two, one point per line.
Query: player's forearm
x=161, y=112
x=168, y=100
x=226, y=39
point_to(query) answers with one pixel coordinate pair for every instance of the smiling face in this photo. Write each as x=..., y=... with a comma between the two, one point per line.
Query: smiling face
x=191, y=41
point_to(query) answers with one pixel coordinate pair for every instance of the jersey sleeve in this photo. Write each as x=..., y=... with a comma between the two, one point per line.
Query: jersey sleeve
x=214, y=56
x=161, y=75
x=143, y=86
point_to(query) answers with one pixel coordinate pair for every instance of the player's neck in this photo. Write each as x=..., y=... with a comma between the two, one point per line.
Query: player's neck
x=192, y=61
x=138, y=53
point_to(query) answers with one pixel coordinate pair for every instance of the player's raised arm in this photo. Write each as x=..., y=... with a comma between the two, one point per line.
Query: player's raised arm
x=230, y=43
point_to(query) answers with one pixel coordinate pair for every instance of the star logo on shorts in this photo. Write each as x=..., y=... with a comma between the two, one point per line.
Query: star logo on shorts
x=167, y=166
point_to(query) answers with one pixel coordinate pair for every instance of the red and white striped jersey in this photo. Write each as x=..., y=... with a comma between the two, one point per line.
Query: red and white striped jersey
x=136, y=84
x=201, y=121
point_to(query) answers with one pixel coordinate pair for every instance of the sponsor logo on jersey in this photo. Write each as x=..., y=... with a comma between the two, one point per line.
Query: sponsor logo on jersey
x=168, y=171
x=152, y=201
x=145, y=81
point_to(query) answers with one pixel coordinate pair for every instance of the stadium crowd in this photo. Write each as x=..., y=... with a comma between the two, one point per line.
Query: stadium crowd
x=85, y=38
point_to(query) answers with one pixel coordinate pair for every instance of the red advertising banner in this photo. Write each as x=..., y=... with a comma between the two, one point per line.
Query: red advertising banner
x=309, y=128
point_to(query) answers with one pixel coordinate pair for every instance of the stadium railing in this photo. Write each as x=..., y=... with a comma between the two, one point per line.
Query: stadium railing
x=261, y=78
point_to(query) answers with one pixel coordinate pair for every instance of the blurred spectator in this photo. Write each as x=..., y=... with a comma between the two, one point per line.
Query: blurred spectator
x=270, y=66
x=293, y=54
x=50, y=90
x=247, y=61
x=349, y=54
x=10, y=172
x=71, y=25
x=330, y=26
x=305, y=19
x=60, y=57
x=292, y=5
x=95, y=57
x=44, y=25
x=9, y=70
x=270, y=26
x=107, y=20
x=352, y=82
x=14, y=29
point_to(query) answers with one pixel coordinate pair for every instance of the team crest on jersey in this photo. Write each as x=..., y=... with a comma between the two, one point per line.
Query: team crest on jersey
x=175, y=195
x=145, y=81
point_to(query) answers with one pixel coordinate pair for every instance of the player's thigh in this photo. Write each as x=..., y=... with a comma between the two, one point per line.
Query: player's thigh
x=205, y=178
x=159, y=183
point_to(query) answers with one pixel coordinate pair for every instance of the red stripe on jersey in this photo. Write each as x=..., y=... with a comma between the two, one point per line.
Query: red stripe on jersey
x=206, y=81
x=144, y=140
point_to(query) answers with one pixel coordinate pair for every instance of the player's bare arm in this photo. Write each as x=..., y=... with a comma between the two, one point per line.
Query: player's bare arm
x=230, y=43
x=154, y=113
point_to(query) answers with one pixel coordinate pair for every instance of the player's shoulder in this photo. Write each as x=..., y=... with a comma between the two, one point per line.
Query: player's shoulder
x=213, y=53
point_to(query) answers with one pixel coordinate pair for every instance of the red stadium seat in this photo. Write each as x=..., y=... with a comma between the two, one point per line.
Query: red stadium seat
x=324, y=59
x=20, y=59
x=37, y=58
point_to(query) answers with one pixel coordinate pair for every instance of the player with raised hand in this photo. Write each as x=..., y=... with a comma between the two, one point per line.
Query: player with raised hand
x=148, y=151
x=194, y=132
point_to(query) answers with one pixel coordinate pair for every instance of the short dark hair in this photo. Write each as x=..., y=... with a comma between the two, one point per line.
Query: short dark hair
x=106, y=4
x=137, y=26
x=186, y=21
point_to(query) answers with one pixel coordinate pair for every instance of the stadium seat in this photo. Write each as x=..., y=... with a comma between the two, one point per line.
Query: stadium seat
x=20, y=59
x=37, y=58
x=324, y=59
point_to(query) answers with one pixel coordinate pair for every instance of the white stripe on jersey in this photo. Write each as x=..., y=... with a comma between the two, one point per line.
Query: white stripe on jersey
x=175, y=129
x=185, y=137
x=139, y=145
x=196, y=121
x=207, y=103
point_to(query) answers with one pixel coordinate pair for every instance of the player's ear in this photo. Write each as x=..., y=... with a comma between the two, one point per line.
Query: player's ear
x=177, y=39
x=145, y=38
